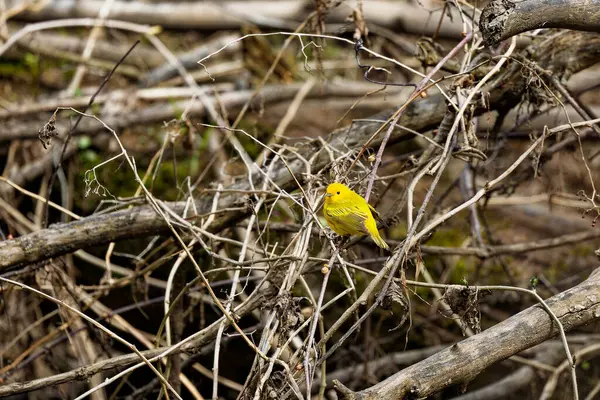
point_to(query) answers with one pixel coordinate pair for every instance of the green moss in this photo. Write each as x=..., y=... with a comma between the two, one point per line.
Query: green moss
x=116, y=179
x=252, y=147
x=557, y=269
x=397, y=232
x=32, y=62
x=171, y=175
x=96, y=108
x=462, y=269
x=330, y=50
x=585, y=365
x=447, y=237
x=178, y=111
x=582, y=250
x=13, y=69
x=361, y=281
x=27, y=69
x=255, y=131
x=84, y=142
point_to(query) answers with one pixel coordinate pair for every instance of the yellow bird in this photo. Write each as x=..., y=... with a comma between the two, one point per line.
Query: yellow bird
x=348, y=213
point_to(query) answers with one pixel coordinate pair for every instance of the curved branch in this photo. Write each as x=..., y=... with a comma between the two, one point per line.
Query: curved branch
x=196, y=346
x=423, y=114
x=281, y=14
x=502, y=19
x=464, y=360
x=16, y=129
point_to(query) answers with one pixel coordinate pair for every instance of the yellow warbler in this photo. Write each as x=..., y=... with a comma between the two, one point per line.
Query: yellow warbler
x=348, y=213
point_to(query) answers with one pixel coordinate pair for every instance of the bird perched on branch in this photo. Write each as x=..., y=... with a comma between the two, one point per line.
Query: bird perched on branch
x=348, y=213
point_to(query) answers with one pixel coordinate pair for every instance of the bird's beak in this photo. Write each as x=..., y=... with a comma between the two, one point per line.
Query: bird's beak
x=328, y=195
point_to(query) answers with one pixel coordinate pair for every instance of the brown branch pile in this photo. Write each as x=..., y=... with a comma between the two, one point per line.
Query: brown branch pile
x=161, y=230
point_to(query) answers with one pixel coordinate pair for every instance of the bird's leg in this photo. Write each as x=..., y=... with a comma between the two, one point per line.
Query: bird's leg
x=338, y=240
x=342, y=242
x=331, y=235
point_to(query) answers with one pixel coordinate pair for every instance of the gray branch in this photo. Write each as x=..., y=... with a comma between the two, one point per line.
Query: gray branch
x=281, y=14
x=203, y=338
x=461, y=362
x=501, y=19
x=548, y=353
x=421, y=115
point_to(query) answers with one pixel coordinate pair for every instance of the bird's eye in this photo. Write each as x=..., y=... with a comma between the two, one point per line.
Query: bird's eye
x=338, y=192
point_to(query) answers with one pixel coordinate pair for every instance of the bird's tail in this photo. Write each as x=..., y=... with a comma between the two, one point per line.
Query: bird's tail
x=379, y=241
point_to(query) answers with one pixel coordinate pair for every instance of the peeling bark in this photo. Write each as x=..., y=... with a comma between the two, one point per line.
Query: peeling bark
x=502, y=19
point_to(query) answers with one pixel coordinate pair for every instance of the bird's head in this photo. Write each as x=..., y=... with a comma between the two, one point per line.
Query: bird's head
x=336, y=192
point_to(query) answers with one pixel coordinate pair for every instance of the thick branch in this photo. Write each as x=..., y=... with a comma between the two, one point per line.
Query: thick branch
x=281, y=14
x=522, y=377
x=501, y=19
x=142, y=221
x=461, y=362
x=17, y=129
x=422, y=114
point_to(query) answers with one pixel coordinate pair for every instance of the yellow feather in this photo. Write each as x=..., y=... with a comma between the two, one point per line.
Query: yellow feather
x=348, y=213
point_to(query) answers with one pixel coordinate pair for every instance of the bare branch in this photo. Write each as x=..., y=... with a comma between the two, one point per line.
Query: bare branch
x=464, y=360
x=501, y=19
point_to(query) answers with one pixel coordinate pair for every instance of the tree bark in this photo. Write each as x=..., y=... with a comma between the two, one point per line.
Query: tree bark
x=501, y=19
x=508, y=386
x=281, y=14
x=461, y=362
x=14, y=129
x=564, y=55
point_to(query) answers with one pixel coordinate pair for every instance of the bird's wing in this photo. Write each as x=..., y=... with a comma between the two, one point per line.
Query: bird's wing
x=377, y=216
x=349, y=217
